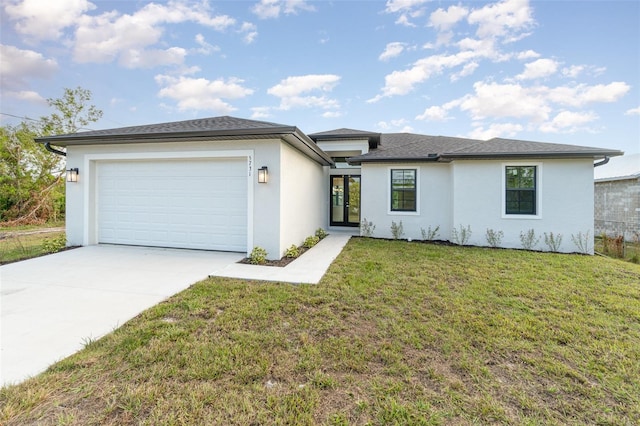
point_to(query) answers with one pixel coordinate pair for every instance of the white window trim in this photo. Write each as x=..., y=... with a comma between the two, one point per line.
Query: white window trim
x=403, y=213
x=503, y=208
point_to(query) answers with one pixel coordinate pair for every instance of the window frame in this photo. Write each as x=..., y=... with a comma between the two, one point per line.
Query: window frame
x=390, y=191
x=537, y=191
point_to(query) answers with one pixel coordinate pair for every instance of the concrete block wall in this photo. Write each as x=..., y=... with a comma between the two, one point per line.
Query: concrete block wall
x=617, y=208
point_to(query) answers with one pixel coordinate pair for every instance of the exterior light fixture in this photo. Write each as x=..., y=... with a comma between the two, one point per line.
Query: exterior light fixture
x=263, y=174
x=72, y=175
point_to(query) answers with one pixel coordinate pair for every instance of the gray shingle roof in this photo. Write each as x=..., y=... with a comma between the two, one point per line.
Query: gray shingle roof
x=206, y=129
x=414, y=147
x=202, y=126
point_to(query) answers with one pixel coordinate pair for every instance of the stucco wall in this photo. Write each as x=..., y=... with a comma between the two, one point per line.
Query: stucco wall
x=434, y=209
x=565, y=201
x=302, y=203
x=617, y=208
x=471, y=193
x=264, y=226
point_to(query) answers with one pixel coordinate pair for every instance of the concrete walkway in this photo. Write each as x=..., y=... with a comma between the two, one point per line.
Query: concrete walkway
x=307, y=269
x=52, y=305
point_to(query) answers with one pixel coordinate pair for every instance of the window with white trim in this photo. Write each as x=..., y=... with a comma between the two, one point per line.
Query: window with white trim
x=521, y=190
x=403, y=190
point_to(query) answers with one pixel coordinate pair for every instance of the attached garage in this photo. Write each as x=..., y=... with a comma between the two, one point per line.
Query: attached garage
x=179, y=203
x=194, y=185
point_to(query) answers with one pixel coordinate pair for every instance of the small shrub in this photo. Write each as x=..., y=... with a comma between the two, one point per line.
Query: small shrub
x=367, y=228
x=528, y=239
x=258, y=256
x=54, y=245
x=292, y=252
x=396, y=230
x=461, y=237
x=321, y=233
x=311, y=241
x=582, y=242
x=553, y=241
x=430, y=234
x=494, y=238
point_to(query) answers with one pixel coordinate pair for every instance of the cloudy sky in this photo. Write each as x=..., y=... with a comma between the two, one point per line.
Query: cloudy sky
x=556, y=71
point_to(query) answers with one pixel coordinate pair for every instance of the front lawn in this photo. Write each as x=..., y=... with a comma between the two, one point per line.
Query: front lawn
x=395, y=333
x=25, y=242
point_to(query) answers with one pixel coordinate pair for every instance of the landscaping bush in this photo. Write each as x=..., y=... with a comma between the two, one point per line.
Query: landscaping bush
x=311, y=241
x=258, y=256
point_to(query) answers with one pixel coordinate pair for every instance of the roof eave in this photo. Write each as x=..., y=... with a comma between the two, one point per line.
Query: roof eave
x=81, y=139
x=525, y=155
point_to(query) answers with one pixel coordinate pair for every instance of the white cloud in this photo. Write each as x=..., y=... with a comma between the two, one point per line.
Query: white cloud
x=496, y=130
x=394, y=6
x=507, y=19
x=250, y=32
x=18, y=66
x=260, y=112
x=25, y=95
x=633, y=111
x=134, y=58
x=506, y=100
x=294, y=91
x=538, y=69
x=444, y=20
x=399, y=125
x=568, y=122
x=467, y=70
x=45, y=19
x=392, y=50
x=270, y=9
x=573, y=71
x=105, y=37
x=205, y=47
x=331, y=114
x=406, y=9
x=434, y=113
x=528, y=54
x=200, y=93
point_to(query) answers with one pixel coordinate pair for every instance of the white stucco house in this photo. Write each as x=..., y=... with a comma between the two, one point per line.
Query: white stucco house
x=226, y=183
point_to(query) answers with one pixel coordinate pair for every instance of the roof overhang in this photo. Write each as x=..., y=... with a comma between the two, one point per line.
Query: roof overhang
x=291, y=135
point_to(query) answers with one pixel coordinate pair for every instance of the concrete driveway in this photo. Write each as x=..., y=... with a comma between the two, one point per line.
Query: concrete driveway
x=51, y=305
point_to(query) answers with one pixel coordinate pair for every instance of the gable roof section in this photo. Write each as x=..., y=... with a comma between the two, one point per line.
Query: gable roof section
x=406, y=147
x=213, y=128
x=345, y=134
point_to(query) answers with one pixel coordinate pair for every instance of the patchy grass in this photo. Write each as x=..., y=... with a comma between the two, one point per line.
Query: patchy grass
x=24, y=242
x=396, y=333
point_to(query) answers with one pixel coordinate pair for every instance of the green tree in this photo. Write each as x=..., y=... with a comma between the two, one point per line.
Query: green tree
x=31, y=178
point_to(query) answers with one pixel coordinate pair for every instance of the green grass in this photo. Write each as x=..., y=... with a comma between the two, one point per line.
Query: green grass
x=16, y=243
x=395, y=333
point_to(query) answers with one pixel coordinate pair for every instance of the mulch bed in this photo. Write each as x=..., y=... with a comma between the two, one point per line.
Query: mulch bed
x=282, y=262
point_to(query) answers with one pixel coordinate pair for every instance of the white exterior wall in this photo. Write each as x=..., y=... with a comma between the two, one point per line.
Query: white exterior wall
x=264, y=222
x=564, y=203
x=434, y=199
x=302, y=203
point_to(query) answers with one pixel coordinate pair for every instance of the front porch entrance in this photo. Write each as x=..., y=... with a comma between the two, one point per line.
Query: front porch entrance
x=345, y=200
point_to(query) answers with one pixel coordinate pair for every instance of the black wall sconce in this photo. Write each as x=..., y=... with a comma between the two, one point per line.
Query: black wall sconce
x=263, y=174
x=72, y=175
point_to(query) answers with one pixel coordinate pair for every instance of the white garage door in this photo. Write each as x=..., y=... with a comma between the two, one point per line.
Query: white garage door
x=197, y=204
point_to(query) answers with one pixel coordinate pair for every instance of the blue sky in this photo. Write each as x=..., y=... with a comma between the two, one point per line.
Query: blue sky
x=555, y=71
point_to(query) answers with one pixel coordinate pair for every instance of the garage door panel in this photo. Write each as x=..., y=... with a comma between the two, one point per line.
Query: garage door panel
x=174, y=203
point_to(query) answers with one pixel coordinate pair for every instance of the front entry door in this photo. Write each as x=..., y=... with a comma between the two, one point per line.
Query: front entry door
x=345, y=200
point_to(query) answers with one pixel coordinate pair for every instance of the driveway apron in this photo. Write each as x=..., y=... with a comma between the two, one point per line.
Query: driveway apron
x=52, y=305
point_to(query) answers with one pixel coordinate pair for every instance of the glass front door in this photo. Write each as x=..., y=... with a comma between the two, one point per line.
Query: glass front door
x=345, y=200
